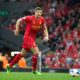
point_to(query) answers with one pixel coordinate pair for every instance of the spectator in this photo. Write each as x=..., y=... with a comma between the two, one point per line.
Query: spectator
x=5, y=60
x=1, y=63
x=22, y=63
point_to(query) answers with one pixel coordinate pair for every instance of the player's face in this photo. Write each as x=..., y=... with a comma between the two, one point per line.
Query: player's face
x=38, y=13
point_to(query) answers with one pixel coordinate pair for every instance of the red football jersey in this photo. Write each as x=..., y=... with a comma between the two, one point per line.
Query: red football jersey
x=33, y=25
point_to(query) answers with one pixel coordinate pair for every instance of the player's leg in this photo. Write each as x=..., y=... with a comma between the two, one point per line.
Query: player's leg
x=16, y=59
x=35, y=51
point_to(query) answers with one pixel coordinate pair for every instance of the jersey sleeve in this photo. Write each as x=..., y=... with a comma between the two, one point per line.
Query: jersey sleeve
x=26, y=19
x=44, y=24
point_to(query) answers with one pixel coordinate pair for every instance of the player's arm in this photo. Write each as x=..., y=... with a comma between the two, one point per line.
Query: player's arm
x=45, y=33
x=18, y=23
x=17, y=26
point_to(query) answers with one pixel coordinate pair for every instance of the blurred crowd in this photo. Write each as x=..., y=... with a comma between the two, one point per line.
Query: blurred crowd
x=15, y=0
x=64, y=31
x=63, y=24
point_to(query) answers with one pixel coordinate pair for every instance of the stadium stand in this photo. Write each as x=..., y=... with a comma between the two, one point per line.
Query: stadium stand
x=63, y=19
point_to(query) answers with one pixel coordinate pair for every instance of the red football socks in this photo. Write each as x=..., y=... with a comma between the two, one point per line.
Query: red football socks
x=15, y=60
x=34, y=62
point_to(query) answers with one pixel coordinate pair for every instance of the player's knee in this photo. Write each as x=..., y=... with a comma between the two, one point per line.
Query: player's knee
x=37, y=53
x=23, y=52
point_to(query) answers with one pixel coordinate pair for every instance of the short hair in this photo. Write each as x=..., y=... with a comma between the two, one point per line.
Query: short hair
x=38, y=8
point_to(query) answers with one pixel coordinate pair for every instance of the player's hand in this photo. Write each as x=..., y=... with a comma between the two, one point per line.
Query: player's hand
x=16, y=32
x=45, y=39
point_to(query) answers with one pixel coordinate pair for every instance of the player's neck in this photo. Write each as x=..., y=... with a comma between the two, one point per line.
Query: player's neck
x=37, y=17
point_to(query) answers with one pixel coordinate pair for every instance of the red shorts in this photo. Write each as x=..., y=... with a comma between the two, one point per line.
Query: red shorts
x=28, y=42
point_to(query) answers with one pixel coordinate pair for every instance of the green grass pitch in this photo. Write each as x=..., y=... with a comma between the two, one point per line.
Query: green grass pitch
x=31, y=76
